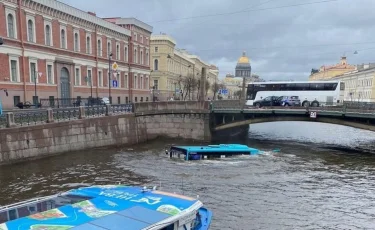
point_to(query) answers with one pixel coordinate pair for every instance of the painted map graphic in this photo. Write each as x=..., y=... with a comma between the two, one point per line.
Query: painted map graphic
x=50, y=227
x=3, y=227
x=90, y=210
x=50, y=214
x=169, y=209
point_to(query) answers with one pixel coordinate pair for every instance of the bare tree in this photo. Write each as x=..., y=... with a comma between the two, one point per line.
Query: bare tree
x=188, y=84
x=215, y=88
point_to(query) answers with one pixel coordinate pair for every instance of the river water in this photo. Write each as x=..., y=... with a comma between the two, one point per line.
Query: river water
x=322, y=177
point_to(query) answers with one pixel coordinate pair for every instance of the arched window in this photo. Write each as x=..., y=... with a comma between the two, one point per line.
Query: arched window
x=76, y=42
x=100, y=48
x=156, y=64
x=135, y=56
x=126, y=53
x=141, y=56
x=63, y=44
x=10, y=26
x=109, y=49
x=88, y=45
x=48, y=35
x=147, y=59
x=118, y=52
x=30, y=30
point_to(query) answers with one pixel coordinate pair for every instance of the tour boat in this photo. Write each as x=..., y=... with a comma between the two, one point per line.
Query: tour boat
x=107, y=207
x=210, y=151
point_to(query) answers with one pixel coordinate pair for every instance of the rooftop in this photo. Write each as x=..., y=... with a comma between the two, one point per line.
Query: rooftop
x=130, y=21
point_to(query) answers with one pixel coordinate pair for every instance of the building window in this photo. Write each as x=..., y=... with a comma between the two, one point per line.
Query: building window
x=14, y=70
x=76, y=42
x=126, y=82
x=118, y=52
x=89, y=78
x=48, y=35
x=135, y=37
x=109, y=48
x=50, y=79
x=135, y=56
x=77, y=77
x=11, y=26
x=156, y=64
x=88, y=45
x=126, y=53
x=100, y=48
x=141, y=57
x=135, y=82
x=33, y=73
x=16, y=100
x=156, y=49
x=147, y=59
x=100, y=78
x=156, y=84
x=141, y=83
x=63, y=39
x=30, y=30
x=147, y=83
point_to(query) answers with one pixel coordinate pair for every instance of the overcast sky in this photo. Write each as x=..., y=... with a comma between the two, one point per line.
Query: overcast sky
x=282, y=42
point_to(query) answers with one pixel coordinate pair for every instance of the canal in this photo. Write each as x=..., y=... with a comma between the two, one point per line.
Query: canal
x=322, y=177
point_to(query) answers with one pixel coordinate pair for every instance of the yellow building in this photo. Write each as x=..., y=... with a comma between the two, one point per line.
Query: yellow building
x=172, y=70
x=328, y=72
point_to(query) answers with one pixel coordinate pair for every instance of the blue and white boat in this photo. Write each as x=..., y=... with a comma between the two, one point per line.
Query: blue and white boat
x=210, y=151
x=111, y=207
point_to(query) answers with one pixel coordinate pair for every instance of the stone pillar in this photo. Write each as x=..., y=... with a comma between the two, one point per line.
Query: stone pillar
x=202, y=86
x=10, y=120
x=82, y=112
x=50, y=118
x=108, y=110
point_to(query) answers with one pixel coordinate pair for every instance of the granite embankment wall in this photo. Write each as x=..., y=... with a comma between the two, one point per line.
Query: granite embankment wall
x=181, y=119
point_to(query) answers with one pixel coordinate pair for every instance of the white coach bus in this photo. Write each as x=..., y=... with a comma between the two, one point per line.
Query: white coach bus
x=311, y=93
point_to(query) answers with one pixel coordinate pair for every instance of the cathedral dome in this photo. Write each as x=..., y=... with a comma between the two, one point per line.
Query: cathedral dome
x=244, y=59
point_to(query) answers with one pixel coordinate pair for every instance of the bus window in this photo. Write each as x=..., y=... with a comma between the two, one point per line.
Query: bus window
x=302, y=86
x=342, y=86
x=330, y=86
x=316, y=86
x=291, y=87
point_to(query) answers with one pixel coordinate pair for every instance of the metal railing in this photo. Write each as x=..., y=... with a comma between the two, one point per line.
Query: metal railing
x=95, y=111
x=66, y=114
x=70, y=102
x=30, y=118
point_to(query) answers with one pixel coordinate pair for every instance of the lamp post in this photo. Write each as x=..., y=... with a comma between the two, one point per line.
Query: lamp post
x=36, y=75
x=109, y=77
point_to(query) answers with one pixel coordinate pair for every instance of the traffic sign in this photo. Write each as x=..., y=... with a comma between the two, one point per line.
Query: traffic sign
x=114, y=83
x=40, y=74
x=114, y=66
x=224, y=91
x=313, y=114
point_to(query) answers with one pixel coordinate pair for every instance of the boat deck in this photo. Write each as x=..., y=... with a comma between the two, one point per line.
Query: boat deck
x=116, y=207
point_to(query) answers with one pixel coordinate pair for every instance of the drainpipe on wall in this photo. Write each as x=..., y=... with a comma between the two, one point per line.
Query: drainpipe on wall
x=97, y=65
x=23, y=48
x=130, y=59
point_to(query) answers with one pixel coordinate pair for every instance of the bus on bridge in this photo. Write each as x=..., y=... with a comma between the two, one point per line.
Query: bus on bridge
x=311, y=93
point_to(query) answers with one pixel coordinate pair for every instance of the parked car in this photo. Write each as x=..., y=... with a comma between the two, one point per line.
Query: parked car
x=289, y=101
x=268, y=101
x=105, y=100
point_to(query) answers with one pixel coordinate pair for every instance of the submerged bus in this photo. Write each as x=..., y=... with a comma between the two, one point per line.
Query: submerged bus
x=311, y=93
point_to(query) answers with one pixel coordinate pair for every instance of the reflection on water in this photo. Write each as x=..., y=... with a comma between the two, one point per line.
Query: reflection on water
x=321, y=179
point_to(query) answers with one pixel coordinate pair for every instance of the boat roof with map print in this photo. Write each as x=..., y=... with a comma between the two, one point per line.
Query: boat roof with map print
x=111, y=207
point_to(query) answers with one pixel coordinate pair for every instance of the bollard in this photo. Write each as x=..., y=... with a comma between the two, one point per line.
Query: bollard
x=10, y=120
x=82, y=113
x=50, y=116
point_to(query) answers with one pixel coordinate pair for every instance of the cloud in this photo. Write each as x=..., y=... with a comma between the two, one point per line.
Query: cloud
x=282, y=43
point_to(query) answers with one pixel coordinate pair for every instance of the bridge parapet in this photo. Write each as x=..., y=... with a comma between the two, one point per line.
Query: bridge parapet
x=170, y=107
x=226, y=104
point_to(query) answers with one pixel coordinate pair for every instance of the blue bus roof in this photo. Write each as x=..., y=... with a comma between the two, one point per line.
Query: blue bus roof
x=216, y=148
x=110, y=207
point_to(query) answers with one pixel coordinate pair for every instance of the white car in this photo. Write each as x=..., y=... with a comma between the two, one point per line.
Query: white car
x=105, y=100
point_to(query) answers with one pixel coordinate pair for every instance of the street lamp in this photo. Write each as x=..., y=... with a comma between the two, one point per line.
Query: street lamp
x=36, y=75
x=109, y=78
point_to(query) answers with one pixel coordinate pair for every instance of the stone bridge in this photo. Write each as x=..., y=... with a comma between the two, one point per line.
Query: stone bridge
x=230, y=115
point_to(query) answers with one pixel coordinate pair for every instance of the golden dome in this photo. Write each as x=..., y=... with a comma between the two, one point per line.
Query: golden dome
x=243, y=59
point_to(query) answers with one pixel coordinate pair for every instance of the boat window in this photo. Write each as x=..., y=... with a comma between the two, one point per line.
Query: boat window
x=169, y=227
x=12, y=214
